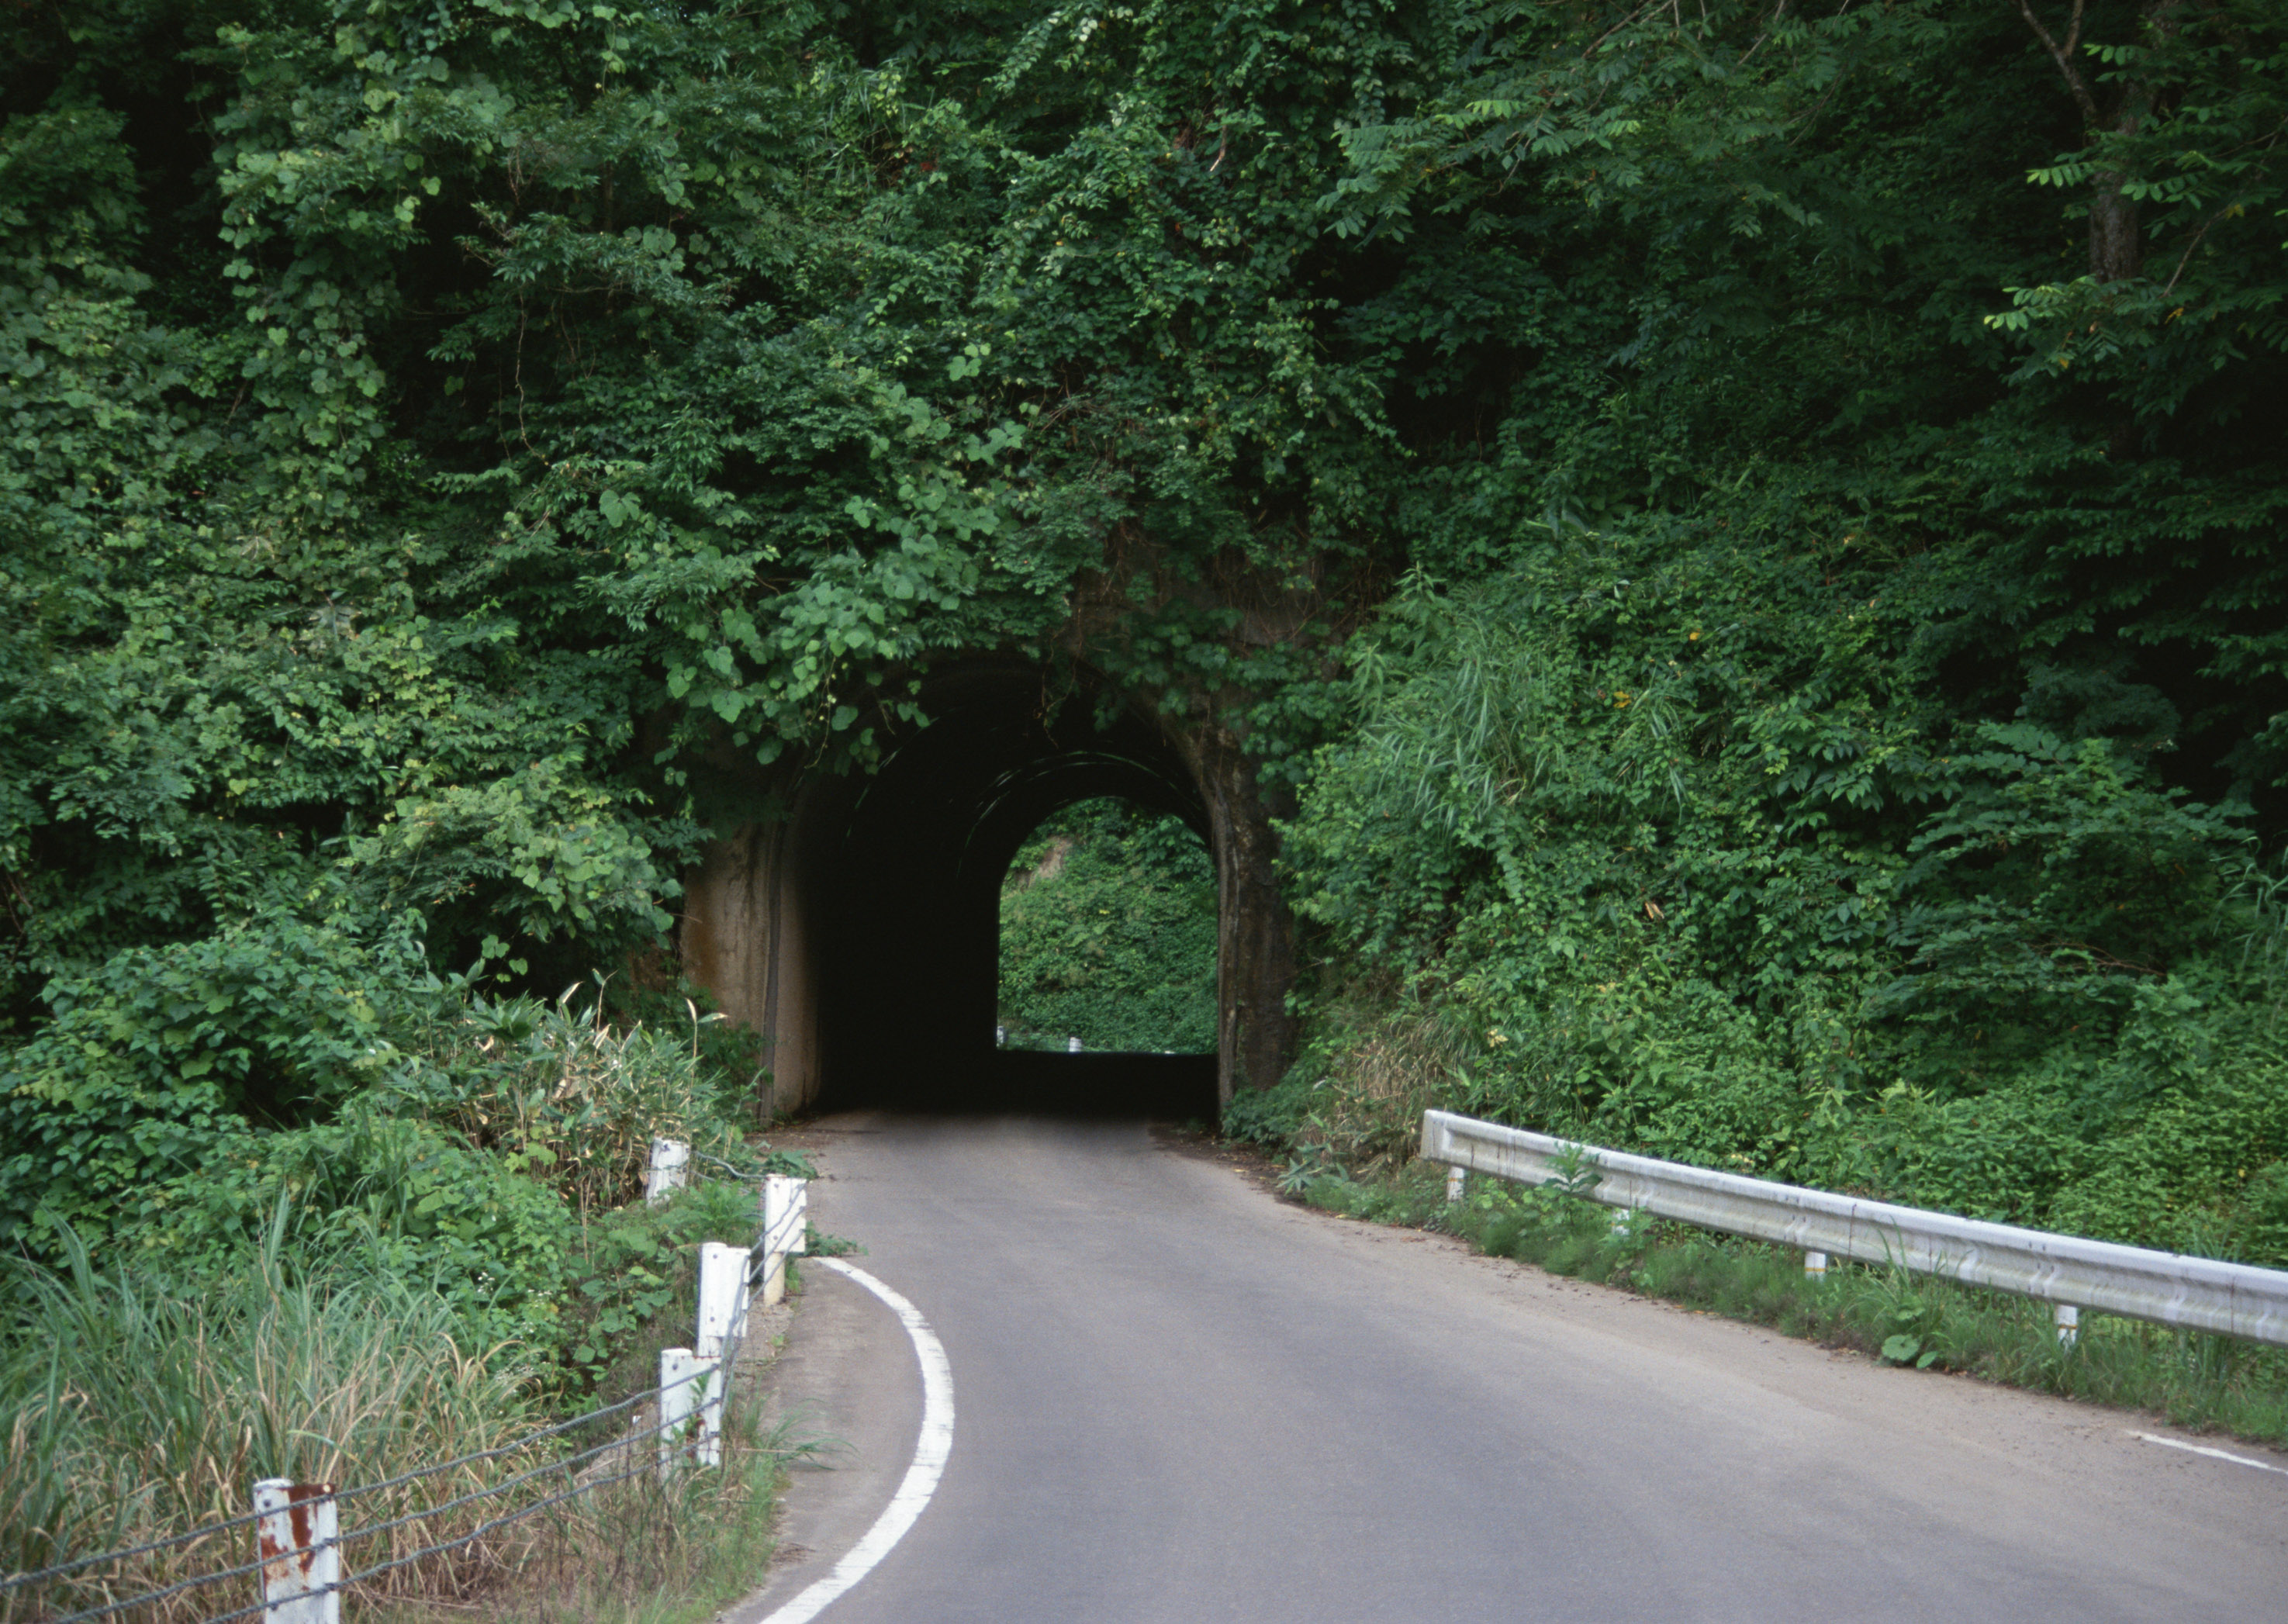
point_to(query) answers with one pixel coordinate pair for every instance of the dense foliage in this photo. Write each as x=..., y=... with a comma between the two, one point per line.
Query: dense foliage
x=1109, y=934
x=1822, y=466
x=1862, y=761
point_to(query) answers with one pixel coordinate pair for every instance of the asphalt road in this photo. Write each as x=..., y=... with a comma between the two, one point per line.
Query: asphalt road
x=1178, y=1399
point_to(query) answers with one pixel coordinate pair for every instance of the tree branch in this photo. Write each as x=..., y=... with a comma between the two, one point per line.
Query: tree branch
x=2062, y=55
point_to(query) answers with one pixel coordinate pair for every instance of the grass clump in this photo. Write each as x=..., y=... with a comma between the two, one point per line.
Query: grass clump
x=2194, y=1379
x=136, y=1407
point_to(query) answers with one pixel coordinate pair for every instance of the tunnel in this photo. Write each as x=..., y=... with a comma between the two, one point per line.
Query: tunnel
x=852, y=919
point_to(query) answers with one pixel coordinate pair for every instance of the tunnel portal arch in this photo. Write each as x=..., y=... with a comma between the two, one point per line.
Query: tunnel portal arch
x=854, y=920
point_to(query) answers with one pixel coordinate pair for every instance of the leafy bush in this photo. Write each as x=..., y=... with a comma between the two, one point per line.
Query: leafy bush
x=557, y=1092
x=1667, y=844
x=154, y=1060
x=1108, y=934
x=487, y=1151
x=1271, y=1117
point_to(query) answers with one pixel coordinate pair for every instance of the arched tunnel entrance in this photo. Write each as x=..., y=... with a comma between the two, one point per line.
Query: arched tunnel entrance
x=853, y=920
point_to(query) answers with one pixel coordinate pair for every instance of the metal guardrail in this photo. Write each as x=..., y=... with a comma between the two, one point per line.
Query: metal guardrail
x=2198, y=1294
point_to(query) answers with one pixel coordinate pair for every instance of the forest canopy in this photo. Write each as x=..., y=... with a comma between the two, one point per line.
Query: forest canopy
x=1743, y=541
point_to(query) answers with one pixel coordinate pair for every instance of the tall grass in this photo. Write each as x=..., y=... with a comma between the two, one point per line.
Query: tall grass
x=133, y=1412
x=644, y=1552
x=566, y=1096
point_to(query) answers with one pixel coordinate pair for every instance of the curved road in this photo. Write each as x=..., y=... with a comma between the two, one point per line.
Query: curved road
x=1180, y=1399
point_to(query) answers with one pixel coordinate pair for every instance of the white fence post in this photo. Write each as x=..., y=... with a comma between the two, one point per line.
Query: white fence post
x=1455, y=1180
x=722, y=1282
x=299, y=1531
x=675, y=1366
x=2068, y=1319
x=670, y=1165
x=1814, y=1265
x=786, y=1213
x=690, y=1410
x=1072, y=1046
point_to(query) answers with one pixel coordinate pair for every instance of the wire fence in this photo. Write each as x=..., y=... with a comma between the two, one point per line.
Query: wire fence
x=649, y=1449
x=628, y=1441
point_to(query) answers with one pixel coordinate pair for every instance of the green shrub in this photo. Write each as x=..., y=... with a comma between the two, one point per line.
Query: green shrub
x=1109, y=934
x=155, y=1059
x=1271, y=1117
x=1663, y=840
x=557, y=1092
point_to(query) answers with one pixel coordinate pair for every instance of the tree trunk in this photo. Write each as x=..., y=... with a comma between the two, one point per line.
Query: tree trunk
x=2117, y=246
x=2117, y=243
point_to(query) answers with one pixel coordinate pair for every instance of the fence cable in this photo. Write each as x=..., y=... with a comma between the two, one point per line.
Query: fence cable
x=397, y=1562
x=566, y=1464
x=526, y=1442
x=15, y=1581
x=355, y=1579
x=725, y=1362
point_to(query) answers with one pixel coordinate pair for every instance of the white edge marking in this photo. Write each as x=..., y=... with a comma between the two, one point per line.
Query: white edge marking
x=929, y=1451
x=2220, y=1454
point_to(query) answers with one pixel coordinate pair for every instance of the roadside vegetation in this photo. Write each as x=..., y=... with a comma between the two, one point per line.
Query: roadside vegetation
x=454, y=1258
x=1735, y=551
x=1653, y=869
x=1109, y=934
x=2190, y=1379
x=141, y=1405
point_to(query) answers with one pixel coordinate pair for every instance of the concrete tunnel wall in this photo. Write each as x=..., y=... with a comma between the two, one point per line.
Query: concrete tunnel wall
x=854, y=921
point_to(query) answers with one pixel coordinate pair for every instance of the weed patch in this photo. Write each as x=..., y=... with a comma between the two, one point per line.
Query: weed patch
x=136, y=1411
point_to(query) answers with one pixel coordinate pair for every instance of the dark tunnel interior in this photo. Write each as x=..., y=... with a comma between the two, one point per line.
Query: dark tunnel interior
x=907, y=903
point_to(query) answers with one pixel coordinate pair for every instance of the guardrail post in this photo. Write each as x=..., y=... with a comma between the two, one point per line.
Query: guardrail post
x=1072, y=1046
x=690, y=1410
x=670, y=1165
x=1457, y=1178
x=722, y=1287
x=2069, y=1322
x=1814, y=1265
x=297, y=1533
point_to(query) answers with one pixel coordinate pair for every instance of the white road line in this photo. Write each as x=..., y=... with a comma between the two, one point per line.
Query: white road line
x=930, y=1450
x=2237, y=1459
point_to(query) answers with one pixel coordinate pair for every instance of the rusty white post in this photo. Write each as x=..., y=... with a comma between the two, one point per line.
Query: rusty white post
x=297, y=1530
x=690, y=1410
x=1456, y=1180
x=722, y=1289
x=2067, y=1318
x=670, y=1165
x=1814, y=1265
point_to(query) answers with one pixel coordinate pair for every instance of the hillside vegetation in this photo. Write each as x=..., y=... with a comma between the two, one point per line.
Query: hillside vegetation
x=1743, y=544
x=1109, y=934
